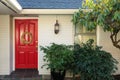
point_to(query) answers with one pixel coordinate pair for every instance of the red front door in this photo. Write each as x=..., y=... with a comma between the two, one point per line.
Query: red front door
x=26, y=42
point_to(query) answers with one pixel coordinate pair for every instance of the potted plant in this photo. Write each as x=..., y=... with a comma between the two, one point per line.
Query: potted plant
x=58, y=58
x=93, y=63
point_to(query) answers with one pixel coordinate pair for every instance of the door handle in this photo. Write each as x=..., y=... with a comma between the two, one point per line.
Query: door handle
x=36, y=46
x=21, y=52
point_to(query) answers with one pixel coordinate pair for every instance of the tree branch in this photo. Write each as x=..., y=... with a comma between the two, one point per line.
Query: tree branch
x=114, y=40
x=118, y=41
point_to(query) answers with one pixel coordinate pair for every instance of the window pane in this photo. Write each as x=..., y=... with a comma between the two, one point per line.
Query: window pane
x=81, y=29
x=81, y=38
x=83, y=35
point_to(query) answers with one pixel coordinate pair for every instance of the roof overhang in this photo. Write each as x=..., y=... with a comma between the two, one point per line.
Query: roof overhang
x=9, y=7
x=15, y=4
x=13, y=7
x=48, y=11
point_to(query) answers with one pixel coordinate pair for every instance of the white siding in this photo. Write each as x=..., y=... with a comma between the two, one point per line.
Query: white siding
x=46, y=34
x=4, y=44
x=103, y=39
x=11, y=44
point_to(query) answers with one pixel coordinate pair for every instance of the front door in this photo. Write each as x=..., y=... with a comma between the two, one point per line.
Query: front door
x=26, y=42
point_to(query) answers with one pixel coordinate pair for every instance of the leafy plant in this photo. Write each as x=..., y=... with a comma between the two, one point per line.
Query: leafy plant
x=102, y=13
x=93, y=63
x=58, y=56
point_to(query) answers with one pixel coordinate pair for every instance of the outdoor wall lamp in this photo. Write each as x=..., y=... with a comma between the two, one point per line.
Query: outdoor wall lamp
x=56, y=27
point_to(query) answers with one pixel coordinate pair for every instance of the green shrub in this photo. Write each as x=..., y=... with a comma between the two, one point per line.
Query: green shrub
x=93, y=63
x=58, y=56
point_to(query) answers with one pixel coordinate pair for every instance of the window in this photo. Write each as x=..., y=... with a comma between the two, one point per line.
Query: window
x=82, y=35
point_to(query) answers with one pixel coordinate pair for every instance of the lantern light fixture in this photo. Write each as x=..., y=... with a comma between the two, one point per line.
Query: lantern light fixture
x=56, y=27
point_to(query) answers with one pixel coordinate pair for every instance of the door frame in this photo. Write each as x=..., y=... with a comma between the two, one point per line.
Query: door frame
x=14, y=37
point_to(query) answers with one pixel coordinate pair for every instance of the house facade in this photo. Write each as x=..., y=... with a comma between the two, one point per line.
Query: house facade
x=25, y=25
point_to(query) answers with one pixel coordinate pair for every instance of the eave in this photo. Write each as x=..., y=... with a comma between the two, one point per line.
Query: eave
x=48, y=11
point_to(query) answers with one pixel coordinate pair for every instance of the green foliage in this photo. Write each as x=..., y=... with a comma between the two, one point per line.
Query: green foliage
x=93, y=63
x=88, y=4
x=102, y=13
x=58, y=56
